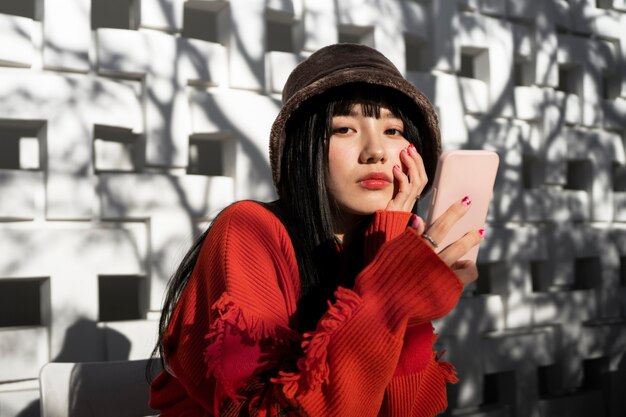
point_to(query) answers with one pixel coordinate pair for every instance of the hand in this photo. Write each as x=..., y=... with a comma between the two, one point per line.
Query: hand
x=465, y=269
x=410, y=181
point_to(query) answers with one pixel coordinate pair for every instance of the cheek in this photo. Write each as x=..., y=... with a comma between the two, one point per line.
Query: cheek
x=332, y=174
x=338, y=161
x=395, y=149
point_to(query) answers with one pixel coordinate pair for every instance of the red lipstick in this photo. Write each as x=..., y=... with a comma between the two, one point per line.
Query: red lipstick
x=375, y=181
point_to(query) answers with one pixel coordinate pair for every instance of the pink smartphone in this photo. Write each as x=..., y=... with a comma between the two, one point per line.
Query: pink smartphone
x=463, y=173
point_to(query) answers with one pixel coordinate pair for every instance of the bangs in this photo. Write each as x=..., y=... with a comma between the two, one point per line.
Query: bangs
x=371, y=98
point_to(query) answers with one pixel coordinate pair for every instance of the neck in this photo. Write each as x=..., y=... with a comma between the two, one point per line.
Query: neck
x=345, y=225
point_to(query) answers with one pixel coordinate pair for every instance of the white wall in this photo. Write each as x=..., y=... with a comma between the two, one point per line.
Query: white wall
x=126, y=125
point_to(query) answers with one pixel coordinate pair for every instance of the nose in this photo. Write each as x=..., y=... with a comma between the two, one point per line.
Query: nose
x=373, y=150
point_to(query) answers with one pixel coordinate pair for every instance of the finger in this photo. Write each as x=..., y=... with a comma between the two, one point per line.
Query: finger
x=466, y=270
x=451, y=253
x=461, y=264
x=403, y=191
x=421, y=169
x=410, y=161
x=412, y=172
x=409, y=181
x=418, y=224
x=442, y=225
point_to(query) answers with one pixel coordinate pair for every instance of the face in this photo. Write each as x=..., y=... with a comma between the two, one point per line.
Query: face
x=362, y=152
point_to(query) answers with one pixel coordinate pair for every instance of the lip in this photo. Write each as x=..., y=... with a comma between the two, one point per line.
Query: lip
x=375, y=181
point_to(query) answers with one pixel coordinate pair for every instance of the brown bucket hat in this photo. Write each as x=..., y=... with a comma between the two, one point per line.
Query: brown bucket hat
x=345, y=63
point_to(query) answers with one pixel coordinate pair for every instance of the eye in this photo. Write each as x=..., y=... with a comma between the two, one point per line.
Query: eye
x=341, y=130
x=394, y=132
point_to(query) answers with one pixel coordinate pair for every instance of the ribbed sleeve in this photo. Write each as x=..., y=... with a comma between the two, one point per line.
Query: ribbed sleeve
x=408, y=280
x=384, y=226
x=416, y=388
x=417, y=394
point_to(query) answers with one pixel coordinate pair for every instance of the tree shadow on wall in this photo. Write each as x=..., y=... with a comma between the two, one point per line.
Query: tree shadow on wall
x=114, y=345
x=510, y=206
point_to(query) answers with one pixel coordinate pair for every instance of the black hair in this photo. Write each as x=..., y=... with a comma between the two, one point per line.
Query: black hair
x=304, y=206
x=306, y=209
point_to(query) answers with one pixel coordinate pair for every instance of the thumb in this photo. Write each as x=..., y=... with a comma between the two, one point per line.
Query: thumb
x=461, y=264
x=418, y=224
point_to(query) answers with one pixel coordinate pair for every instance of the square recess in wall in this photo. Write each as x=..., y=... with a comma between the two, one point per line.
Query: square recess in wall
x=622, y=270
x=570, y=79
x=116, y=150
x=548, y=380
x=24, y=8
x=357, y=34
x=532, y=171
x=117, y=14
x=416, y=53
x=20, y=144
x=121, y=297
x=596, y=374
x=619, y=177
x=579, y=175
x=610, y=86
x=604, y=4
x=587, y=273
x=207, y=155
x=492, y=278
x=499, y=389
x=475, y=63
x=540, y=276
x=281, y=31
x=24, y=302
x=206, y=20
x=523, y=72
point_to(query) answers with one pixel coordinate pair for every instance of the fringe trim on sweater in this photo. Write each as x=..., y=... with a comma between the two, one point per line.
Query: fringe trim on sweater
x=250, y=325
x=247, y=323
x=448, y=371
x=313, y=369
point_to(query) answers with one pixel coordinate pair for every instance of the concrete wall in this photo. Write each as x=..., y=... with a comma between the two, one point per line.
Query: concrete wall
x=126, y=125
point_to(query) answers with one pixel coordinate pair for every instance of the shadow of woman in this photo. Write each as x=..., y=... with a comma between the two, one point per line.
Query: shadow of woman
x=113, y=345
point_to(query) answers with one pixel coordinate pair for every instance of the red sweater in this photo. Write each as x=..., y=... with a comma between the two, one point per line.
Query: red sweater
x=370, y=355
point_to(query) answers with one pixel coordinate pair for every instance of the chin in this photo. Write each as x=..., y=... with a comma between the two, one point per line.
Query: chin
x=364, y=209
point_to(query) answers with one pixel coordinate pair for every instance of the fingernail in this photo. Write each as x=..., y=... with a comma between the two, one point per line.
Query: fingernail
x=405, y=150
x=396, y=166
x=415, y=221
x=482, y=232
x=466, y=200
x=412, y=149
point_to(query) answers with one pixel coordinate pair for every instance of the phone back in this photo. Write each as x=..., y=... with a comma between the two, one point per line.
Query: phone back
x=463, y=173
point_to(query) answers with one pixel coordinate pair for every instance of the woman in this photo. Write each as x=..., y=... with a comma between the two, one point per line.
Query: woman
x=319, y=304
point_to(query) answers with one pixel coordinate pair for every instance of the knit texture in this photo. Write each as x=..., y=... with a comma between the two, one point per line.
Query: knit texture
x=231, y=343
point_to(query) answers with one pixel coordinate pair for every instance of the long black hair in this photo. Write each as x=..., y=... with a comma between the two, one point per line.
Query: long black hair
x=304, y=206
